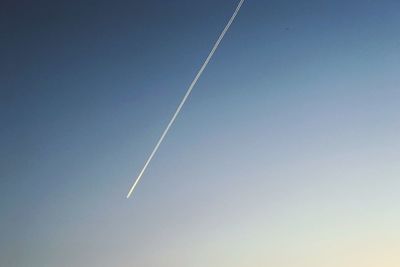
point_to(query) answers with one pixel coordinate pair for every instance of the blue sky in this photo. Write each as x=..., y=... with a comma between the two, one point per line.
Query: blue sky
x=285, y=154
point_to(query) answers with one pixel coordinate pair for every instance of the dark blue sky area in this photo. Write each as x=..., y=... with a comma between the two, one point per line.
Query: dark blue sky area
x=295, y=119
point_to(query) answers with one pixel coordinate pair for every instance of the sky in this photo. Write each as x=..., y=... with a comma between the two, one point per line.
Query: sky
x=286, y=153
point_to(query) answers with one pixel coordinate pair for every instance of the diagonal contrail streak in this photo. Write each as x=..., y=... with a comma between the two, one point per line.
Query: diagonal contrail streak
x=185, y=97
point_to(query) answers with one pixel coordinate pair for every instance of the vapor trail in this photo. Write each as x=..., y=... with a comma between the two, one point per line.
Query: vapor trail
x=186, y=96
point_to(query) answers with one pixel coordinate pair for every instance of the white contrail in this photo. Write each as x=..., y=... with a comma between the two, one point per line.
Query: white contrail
x=186, y=96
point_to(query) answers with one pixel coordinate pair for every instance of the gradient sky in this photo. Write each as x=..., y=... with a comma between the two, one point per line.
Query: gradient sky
x=286, y=154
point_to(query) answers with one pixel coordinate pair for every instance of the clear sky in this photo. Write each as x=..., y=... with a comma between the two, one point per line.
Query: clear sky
x=286, y=154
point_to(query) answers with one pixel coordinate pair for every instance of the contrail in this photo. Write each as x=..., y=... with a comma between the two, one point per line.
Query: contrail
x=185, y=97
